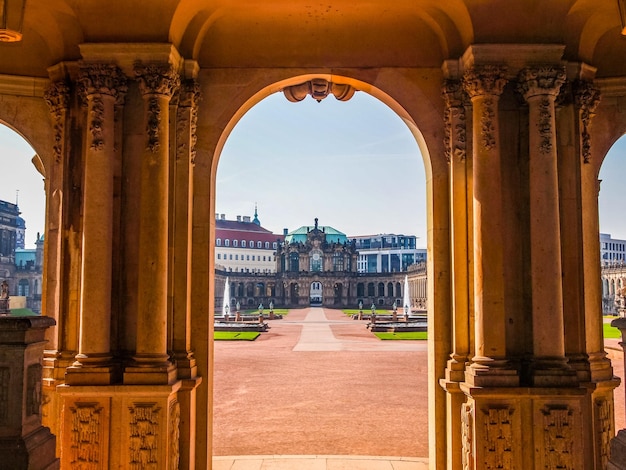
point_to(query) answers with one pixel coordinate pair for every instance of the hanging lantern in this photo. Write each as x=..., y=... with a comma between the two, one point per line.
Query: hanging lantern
x=11, y=20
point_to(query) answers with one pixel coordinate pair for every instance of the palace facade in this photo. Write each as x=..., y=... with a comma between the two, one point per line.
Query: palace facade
x=317, y=265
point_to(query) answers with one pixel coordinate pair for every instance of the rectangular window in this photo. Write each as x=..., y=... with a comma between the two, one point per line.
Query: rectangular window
x=236, y=257
x=219, y=256
x=247, y=257
x=230, y=257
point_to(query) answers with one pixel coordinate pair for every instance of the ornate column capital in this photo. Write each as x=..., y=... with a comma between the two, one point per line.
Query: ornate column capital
x=57, y=97
x=542, y=80
x=485, y=80
x=157, y=79
x=189, y=94
x=102, y=79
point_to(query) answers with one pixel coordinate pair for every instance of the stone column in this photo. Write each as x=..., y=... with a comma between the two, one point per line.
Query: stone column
x=185, y=140
x=186, y=122
x=540, y=87
x=24, y=443
x=459, y=167
x=586, y=99
x=151, y=364
x=484, y=84
x=101, y=85
x=57, y=98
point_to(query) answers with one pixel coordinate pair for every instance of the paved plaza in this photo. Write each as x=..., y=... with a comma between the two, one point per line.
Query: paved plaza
x=319, y=391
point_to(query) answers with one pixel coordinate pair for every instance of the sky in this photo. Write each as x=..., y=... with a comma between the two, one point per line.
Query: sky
x=354, y=165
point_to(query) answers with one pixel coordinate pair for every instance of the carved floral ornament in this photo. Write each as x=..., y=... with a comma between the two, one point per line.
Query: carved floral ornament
x=543, y=80
x=318, y=88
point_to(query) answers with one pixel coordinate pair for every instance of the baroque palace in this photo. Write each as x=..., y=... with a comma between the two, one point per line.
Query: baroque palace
x=313, y=265
x=514, y=105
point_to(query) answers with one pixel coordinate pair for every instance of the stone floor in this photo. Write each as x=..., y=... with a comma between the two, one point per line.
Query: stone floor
x=318, y=462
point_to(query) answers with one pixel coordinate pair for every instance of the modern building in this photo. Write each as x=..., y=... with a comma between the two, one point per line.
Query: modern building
x=385, y=253
x=244, y=246
x=612, y=250
x=503, y=99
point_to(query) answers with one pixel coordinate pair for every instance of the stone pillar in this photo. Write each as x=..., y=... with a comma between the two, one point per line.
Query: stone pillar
x=617, y=459
x=586, y=99
x=540, y=87
x=484, y=85
x=151, y=364
x=101, y=85
x=459, y=172
x=24, y=443
x=183, y=205
x=186, y=121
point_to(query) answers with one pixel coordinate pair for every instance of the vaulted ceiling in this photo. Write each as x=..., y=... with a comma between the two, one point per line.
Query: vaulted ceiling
x=306, y=33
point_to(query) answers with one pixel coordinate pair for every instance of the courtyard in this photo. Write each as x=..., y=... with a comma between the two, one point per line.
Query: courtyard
x=318, y=383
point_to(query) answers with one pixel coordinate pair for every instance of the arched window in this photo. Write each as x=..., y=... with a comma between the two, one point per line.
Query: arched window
x=390, y=289
x=259, y=244
x=370, y=289
x=381, y=289
x=218, y=242
x=316, y=261
x=360, y=289
x=227, y=242
x=235, y=243
x=337, y=261
x=243, y=243
x=275, y=245
x=294, y=262
x=267, y=245
x=23, y=289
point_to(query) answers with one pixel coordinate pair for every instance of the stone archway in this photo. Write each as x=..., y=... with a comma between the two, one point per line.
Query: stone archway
x=428, y=117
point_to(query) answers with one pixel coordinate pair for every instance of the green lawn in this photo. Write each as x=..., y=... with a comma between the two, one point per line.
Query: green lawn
x=22, y=312
x=611, y=331
x=235, y=335
x=408, y=335
x=355, y=311
x=266, y=311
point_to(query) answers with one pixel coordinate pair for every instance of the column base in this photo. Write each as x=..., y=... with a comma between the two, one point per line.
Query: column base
x=500, y=425
x=494, y=374
x=157, y=374
x=618, y=452
x=551, y=372
x=36, y=451
x=92, y=375
x=121, y=426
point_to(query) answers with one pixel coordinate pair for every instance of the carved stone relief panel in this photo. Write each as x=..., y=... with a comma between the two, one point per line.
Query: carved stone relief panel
x=86, y=436
x=144, y=436
x=558, y=438
x=467, y=430
x=498, y=438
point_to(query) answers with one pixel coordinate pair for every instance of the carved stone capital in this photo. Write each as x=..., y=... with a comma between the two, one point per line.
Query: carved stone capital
x=102, y=79
x=485, y=80
x=586, y=95
x=157, y=79
x=57, y=97
x=189, y=94
x=544, y=80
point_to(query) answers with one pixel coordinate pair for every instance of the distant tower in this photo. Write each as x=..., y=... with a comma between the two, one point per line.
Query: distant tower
x=20, y=232
x=256, y=216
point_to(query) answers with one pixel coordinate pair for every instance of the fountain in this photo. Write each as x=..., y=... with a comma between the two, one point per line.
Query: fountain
x=406, y=302
x=409, y=323
x=226, y=300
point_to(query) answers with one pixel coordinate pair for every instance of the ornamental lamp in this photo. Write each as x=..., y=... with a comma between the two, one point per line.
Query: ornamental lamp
x=11, y=20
